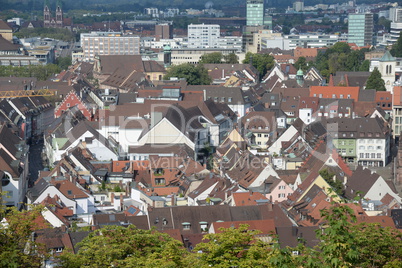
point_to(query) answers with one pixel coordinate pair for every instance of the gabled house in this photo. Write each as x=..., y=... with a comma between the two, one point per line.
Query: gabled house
x=369, y=185
x=70, y=194
x=70, y=100
x=55, y=212
x=65, y=135
x=278, y=190
x=176, y=127
x=14, y=167
x=259, y=128
x=126, y=72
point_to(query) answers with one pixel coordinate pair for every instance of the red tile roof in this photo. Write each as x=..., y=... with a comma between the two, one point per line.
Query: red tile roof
x=247, y=198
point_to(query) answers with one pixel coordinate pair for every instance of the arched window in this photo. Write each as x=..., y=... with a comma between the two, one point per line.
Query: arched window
x=390, y=69
x=386, y=69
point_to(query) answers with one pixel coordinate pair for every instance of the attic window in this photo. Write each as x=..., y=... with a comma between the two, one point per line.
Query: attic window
x=186, y=225
x=69, y=192
x=229, y=99
x=204, y=226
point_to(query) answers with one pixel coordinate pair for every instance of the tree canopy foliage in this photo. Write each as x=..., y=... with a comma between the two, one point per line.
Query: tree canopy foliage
x=218, y=57
x=194, y=74
x=342, y=243
x=262, y=62
x=340, y=57
x=16, y=246
x=59, y=34
x=396, y=50
x=375, y=81
x=127, y=247
x=63, y=62
x=41, y=72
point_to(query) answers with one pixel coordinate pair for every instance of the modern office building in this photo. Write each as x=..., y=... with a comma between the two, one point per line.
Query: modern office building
x=395, y=31
x=203, y=35
x=163, y=31
x=108, y=43
x=360, y=29
x=395, y=14
x=255, y=12
x=311, y=40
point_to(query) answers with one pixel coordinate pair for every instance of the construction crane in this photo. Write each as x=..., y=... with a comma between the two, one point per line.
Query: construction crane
x=26, y=93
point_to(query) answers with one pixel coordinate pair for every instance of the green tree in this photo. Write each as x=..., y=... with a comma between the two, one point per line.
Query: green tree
x=396, y=50
x=231, y=58
x=59, y=34
x=214, y=57
x=127, y=247
x=375, y=81
x=262, y=62
x=336, y=185
x=194, y=74
x=16, y=246
x=301, y=63
x=365, y=66
x=41, y=72
x=339, y=47
x=233, y=247
x=63, y=62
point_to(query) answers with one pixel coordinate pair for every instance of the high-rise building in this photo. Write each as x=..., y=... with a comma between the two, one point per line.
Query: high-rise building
x=255, y=12
x=203, y=35
x=108, y=43
x=163, y=31
x=298, y=5
x=395, y=14
x=360, y=29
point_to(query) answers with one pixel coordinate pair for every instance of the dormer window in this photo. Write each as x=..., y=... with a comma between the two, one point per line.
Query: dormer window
x=186, y=225
x=69, y=192
x=204, y=226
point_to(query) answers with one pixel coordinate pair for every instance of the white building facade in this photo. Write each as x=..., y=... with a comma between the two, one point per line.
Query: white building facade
x=203, y=35
x=108, y=43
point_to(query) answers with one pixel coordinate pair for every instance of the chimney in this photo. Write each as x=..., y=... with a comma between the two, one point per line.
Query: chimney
x=173, y=200
x=63, y=228
x=270, y=206
x=251, y=192
x=112, y=198
x=345, y=180
x=121, y=202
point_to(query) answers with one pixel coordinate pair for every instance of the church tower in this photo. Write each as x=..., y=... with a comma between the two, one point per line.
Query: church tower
x=59, y=15
x=46, y=14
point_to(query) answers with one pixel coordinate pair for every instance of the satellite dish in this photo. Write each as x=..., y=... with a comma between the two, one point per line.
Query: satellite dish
x=209, y=5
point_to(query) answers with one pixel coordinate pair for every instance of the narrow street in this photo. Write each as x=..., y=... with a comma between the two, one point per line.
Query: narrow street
x=35, y=162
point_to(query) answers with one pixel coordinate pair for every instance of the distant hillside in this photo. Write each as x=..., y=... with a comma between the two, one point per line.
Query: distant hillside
x=137, y=5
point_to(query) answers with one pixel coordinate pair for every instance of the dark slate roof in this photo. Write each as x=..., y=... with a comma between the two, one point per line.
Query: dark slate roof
x=141, y=222
x=292, y=236
x=396, y=215
x=181, y=118
x=8, y=139
x=362, y=180
x=38, y=188
x=367, y=95
x=4, y=25
x=176, y=216
x=6, y=45
x=77, y=237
